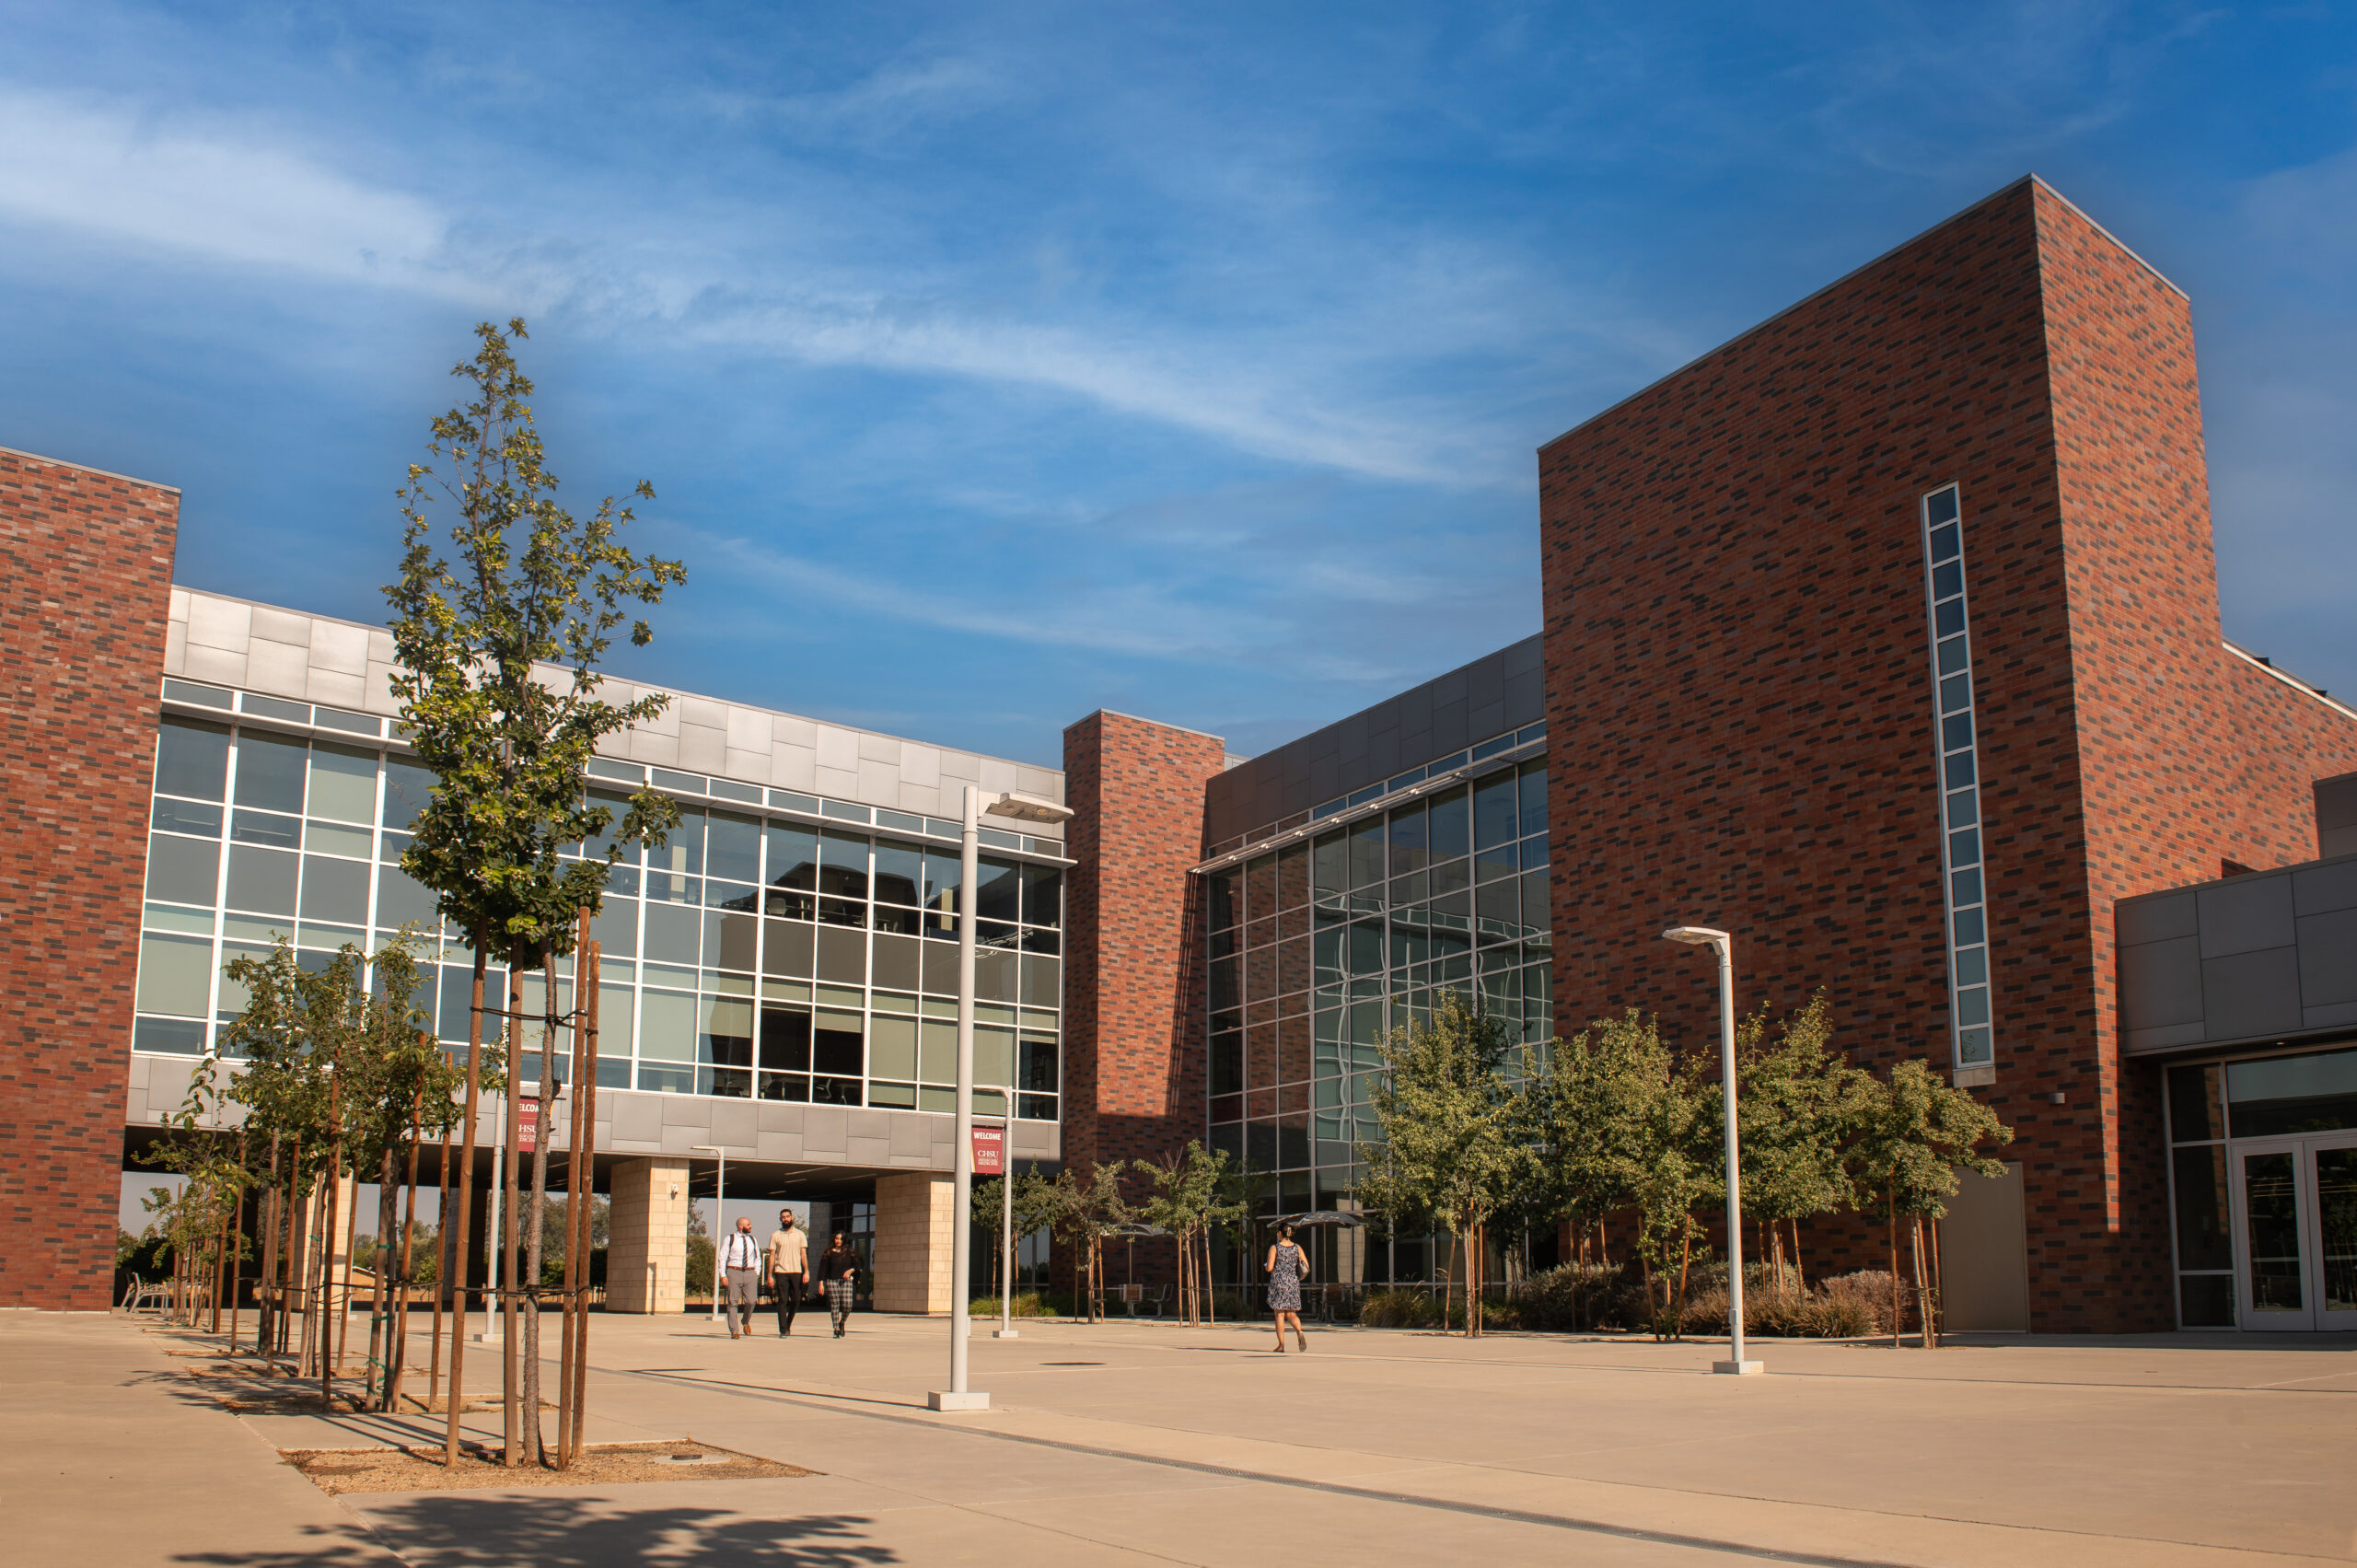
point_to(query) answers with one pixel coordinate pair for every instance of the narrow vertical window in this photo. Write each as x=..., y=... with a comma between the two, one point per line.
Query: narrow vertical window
x=1955, y=714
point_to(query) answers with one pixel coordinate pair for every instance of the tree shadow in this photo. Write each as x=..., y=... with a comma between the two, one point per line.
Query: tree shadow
x=573, y=1532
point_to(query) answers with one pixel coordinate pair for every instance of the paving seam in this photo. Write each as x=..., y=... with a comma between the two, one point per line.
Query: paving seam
x=2276, y=1387
x=1335, y=1489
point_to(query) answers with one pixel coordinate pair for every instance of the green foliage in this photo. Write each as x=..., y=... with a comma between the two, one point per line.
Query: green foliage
x=1455, y=1125
x=525, y=582
x=1917, y=1132
x=1027, y=1304
x=1799, y=1105
x=701, y=1255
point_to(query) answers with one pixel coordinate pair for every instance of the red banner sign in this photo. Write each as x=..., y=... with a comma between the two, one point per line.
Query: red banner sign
x=990, y=1148
x=528, y=1124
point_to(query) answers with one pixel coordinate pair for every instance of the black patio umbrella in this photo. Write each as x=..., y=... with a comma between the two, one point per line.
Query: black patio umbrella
x=1131, y=1234
x=1320, y=1217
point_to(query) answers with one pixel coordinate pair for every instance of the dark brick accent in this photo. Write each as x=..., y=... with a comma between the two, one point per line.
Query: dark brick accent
x=85, y=571
x=1134, y=1062
x=1133, y=981
x=1740, y=712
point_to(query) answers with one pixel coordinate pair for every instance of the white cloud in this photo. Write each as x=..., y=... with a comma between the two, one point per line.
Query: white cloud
x=104, y=170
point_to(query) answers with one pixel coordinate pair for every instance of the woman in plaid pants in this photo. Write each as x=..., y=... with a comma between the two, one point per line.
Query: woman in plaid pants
x=837, y=1268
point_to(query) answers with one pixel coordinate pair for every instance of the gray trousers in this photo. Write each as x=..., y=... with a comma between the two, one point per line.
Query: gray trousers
x=744, y=1289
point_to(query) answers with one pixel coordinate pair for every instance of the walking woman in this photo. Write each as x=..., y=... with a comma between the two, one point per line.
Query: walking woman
x=837, y=1266
x=1285, y=1268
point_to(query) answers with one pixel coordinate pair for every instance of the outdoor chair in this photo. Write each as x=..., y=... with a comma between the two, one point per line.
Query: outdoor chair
x=142, y=1295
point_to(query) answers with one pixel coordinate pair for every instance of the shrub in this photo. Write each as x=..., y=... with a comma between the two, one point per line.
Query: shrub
x=1571, y=1298
x=1866, y=1292
x=1401, y=1309
x=1030, y=1304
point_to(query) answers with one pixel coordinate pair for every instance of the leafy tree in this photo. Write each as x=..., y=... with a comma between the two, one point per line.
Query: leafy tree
x=1583, y=1110
x=1079, y=1210
x=1798, y=1105
x=1918, y=1133
x=1452, y=1126
x=1190, y=1194
x=498, y=642
x=1034, y=1209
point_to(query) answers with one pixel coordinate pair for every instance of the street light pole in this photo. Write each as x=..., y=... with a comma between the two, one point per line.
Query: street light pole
x=1023, y=807
x=719, y=1223
x=1719, y=943
x=1006, y=1330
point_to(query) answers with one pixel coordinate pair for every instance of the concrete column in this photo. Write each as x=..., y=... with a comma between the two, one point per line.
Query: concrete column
x=914, y=1211
x=646, y=1258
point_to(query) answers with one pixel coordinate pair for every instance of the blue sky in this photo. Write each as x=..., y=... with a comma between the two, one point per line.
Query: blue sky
x=996, y=364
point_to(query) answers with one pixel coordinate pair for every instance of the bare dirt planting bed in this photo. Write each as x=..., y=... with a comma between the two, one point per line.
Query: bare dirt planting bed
x=335, y=1470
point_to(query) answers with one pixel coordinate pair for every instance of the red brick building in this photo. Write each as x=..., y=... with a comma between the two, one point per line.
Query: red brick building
x=1741, y=704
x=85, y=571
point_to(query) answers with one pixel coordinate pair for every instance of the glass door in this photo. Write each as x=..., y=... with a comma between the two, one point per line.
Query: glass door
x=2295, y=1223
x=2275, y=1273
x=2332, y=1181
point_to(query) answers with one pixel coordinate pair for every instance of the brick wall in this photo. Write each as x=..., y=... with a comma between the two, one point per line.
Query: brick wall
x=86, y=562
x=1134, y=1059
x=1739, y=712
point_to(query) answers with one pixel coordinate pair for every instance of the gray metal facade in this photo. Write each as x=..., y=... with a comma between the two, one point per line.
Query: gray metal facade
x=2257, y=959
x=1503, y=691
x=633, y=1125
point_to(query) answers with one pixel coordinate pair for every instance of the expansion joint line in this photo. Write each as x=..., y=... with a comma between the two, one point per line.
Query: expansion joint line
x=1331, y=1488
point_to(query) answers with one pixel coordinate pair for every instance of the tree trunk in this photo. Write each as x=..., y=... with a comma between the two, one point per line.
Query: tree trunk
x=381, y=1318
x=1685, y=1266
x=408, y=1259
x=266, y=1225
x=445, y=1270
x=538, y=1447
x=584, y=1111
x=1800, y=1273
x=1938, y=1310
x=466, y=1203
x=1890, y=1197
x=511, y=1452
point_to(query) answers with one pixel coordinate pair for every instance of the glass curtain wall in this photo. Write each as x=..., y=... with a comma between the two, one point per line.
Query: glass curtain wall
x=750, y=956
x=1318, y=949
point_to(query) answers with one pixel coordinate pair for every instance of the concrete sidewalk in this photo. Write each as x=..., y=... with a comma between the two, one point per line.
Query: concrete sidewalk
x=1138, y=1442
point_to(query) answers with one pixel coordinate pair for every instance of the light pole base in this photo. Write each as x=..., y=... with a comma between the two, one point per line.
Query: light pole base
x=1006, y=1334
x=966, y=1401
x=1739, y=1368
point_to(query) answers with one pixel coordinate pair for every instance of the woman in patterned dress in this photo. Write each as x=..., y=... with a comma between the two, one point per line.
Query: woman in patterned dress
x=838, y=1267
x=1286, y=1265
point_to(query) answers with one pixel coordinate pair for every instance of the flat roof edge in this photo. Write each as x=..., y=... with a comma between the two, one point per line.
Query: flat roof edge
x=1765, y=322
x=88, y=468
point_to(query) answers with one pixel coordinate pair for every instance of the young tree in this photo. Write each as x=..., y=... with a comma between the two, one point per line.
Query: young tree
x=1798, y=1105
x=1033, y=1209
x=1080, y=1210
x=1584, y=1109
x=1192, y=1192
x=498, y=642
x=1452, y=1131
x=1918, y=1133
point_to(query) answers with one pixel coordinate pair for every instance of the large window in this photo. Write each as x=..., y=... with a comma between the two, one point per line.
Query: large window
x=1316, y=950
x=751, y=956
x=1953, y=720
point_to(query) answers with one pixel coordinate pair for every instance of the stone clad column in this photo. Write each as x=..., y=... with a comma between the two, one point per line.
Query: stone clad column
x=914, y=1210
x=646, y=1257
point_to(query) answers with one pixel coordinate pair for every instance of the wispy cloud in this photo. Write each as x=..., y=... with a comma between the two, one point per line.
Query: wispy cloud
x=164, y=184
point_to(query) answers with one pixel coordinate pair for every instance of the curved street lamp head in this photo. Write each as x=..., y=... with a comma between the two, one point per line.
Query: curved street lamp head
x=1026, y=808
x=1696, y=935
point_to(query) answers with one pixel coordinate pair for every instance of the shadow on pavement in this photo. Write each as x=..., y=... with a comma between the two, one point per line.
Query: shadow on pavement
x=574, y=1532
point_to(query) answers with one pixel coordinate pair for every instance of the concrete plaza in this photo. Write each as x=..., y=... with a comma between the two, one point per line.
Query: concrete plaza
x=1152, y=1442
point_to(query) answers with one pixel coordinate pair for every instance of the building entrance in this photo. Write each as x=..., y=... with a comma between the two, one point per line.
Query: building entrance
x=2295, y=1232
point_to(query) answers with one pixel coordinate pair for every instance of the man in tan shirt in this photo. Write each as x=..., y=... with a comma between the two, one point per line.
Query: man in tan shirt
x=789, y=1261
